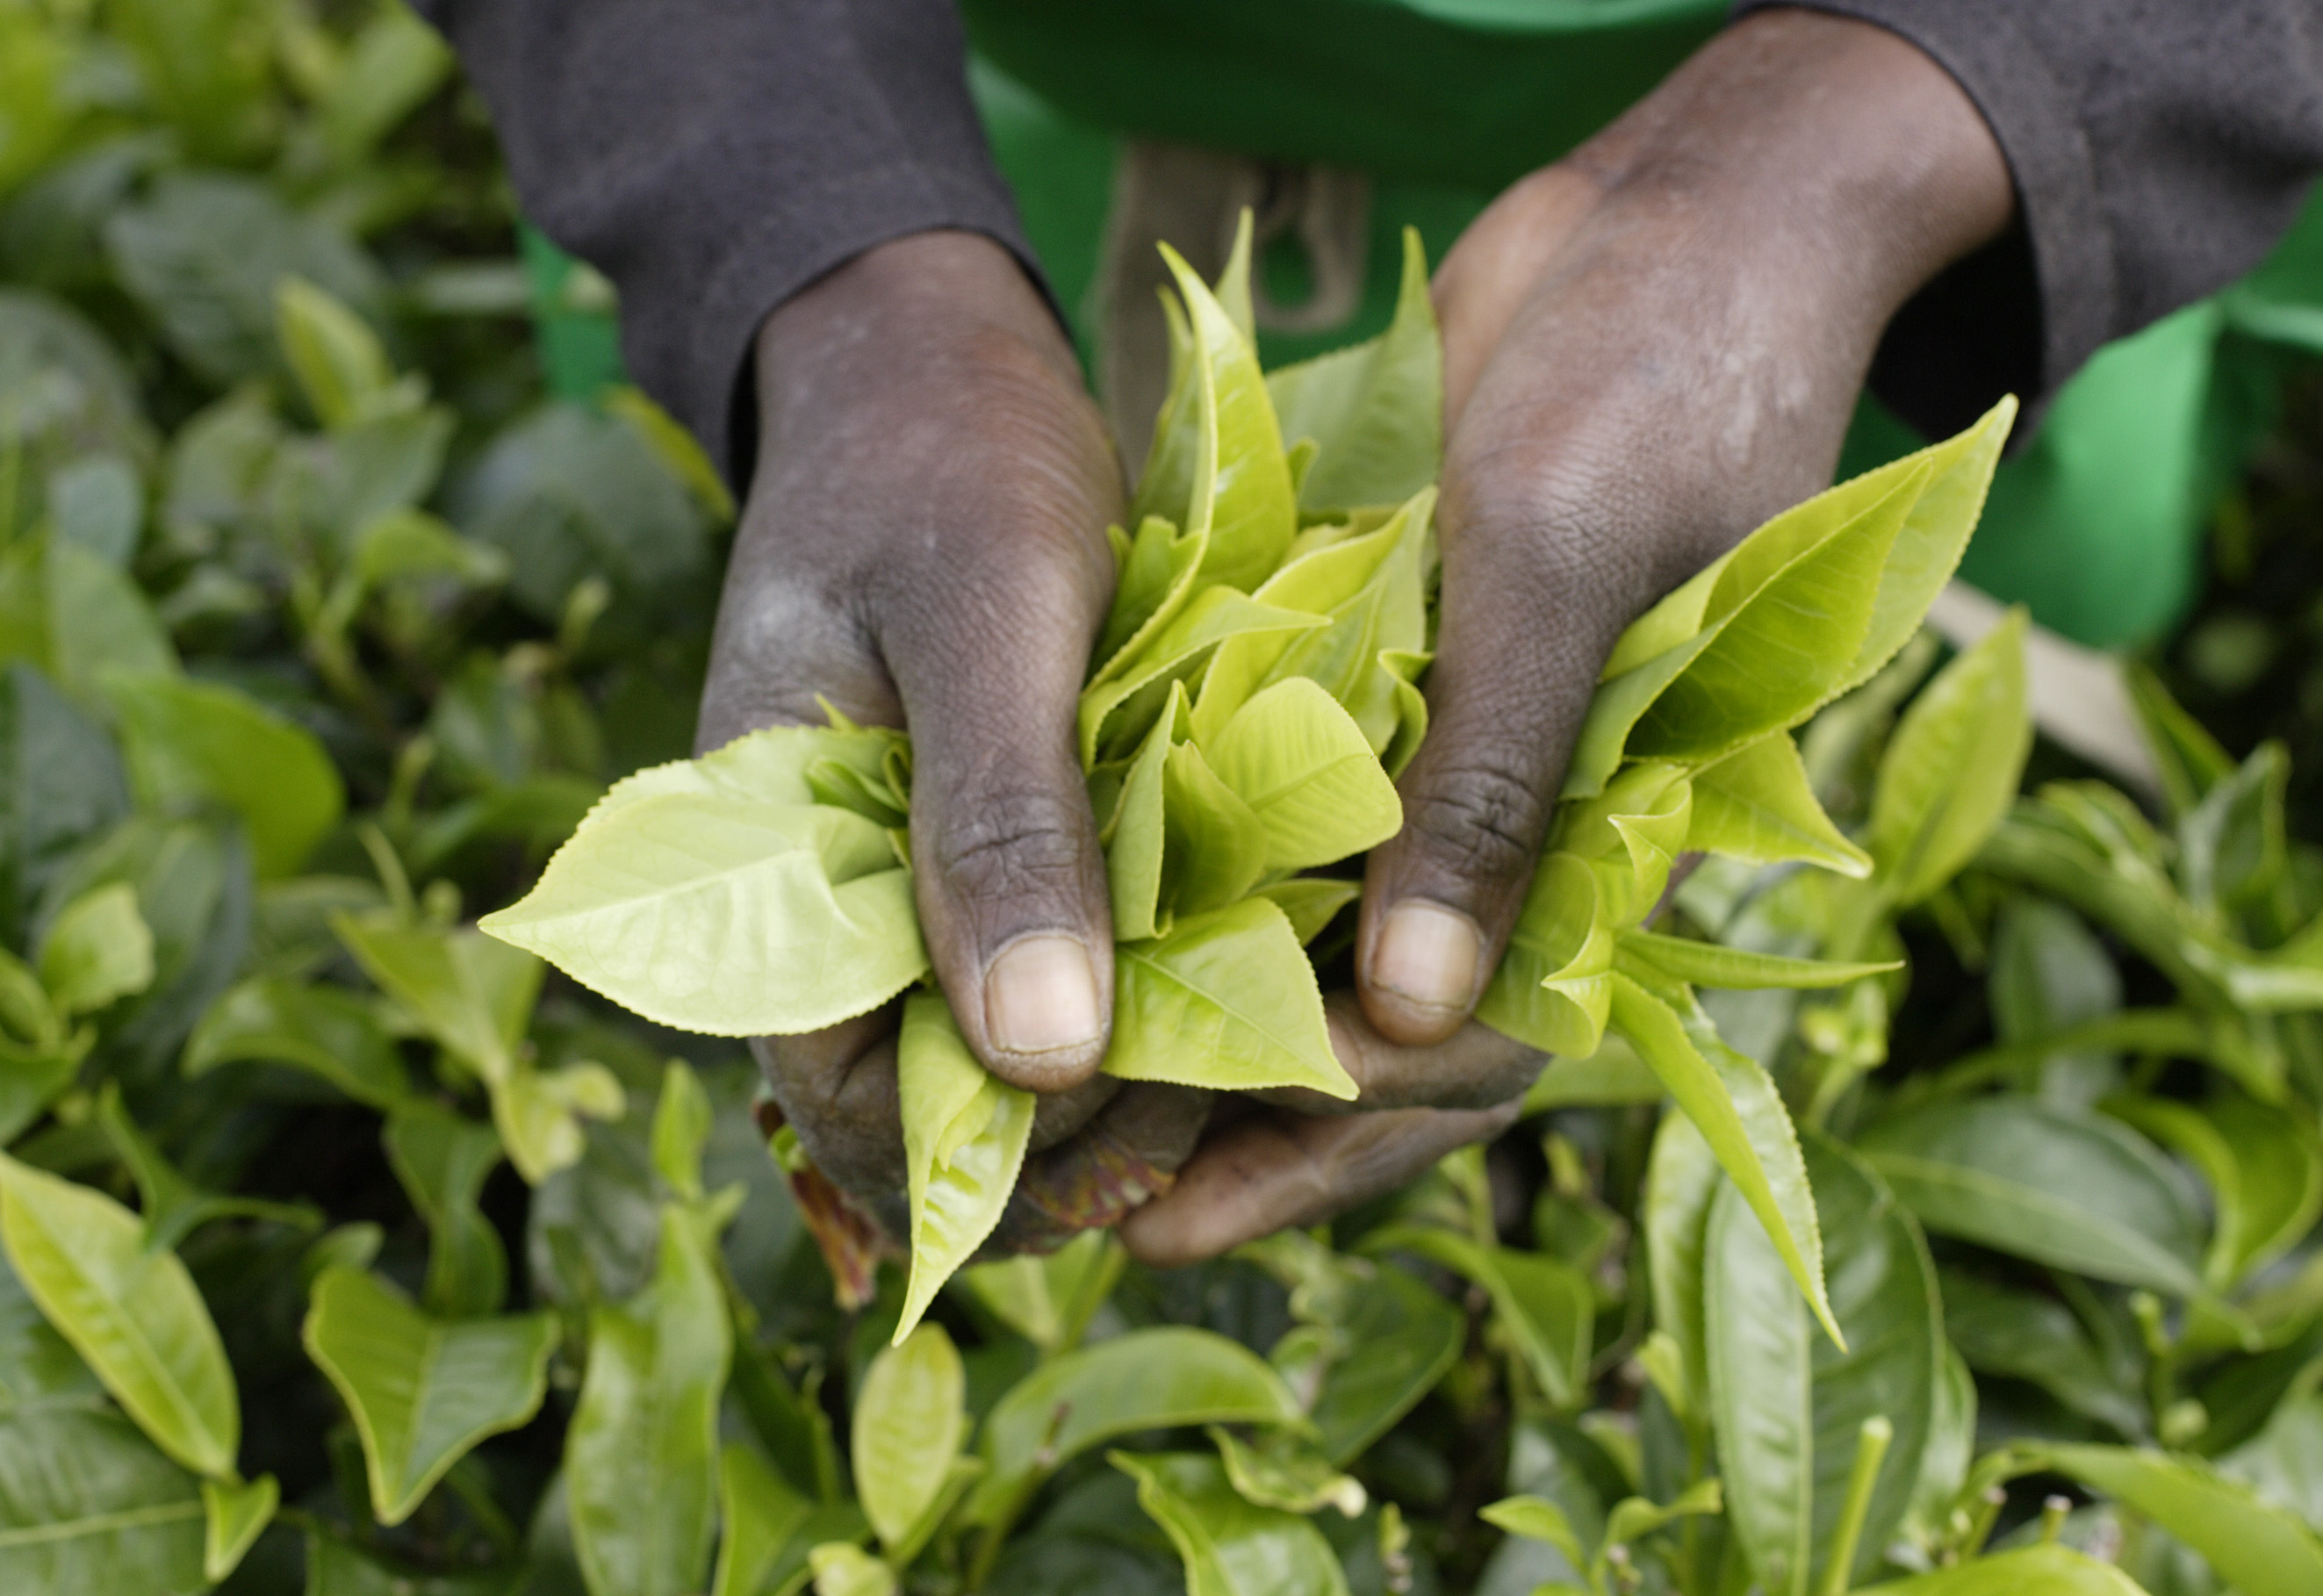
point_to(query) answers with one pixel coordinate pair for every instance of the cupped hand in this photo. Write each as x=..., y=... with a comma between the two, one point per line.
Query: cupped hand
x=923, y=546
x=1650, y=348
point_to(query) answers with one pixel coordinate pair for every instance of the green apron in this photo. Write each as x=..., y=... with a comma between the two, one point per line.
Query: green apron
x=2095, y=524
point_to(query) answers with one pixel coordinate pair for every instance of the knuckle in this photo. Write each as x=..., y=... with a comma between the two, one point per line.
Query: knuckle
x=1481, y=818
x=1011, y=846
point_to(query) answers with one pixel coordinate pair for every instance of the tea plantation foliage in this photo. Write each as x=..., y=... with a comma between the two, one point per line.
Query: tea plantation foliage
x=345, y=1248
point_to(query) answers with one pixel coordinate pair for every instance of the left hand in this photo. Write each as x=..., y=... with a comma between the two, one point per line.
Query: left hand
x=1650, y=347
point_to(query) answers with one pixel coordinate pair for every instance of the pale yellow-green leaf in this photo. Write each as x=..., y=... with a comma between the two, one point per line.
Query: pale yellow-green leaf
x=1227, y=1001
x=99, y=948
x=1308, y=774
x=730, y=918
x=965, y=1133
x=909, y=1423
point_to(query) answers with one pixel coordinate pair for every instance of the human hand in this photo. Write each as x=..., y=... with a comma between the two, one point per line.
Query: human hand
x=1650, y=347
x=923, y=546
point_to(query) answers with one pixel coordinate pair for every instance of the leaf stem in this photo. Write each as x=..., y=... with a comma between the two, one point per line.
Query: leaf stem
x=1980, y=1529
x=1870, y=1451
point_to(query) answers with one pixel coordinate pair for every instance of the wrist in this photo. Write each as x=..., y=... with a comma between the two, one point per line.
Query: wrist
x=1828, y=145
x=897, y=308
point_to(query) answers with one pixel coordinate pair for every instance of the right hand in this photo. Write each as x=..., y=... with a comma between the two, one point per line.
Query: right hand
x=923, y=546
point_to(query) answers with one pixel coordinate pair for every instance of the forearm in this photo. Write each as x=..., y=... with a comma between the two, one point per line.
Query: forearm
x=713, y=157
x=1817, y=170
x=2158, y=149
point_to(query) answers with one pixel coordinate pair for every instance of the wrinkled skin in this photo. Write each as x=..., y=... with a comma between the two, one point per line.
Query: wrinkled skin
x=1650, y=347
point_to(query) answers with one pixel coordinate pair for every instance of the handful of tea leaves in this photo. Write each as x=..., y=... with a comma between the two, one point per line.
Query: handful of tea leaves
x=1254, y=693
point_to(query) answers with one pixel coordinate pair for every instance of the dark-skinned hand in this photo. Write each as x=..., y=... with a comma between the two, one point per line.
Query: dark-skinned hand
x=1650, y=348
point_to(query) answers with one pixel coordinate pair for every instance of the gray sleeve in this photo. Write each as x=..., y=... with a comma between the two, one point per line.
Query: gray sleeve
x=713, y=157
x=2159, y=148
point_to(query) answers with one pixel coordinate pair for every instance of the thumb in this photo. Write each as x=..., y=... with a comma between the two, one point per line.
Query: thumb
x=1010, y=876
x=1523, y=632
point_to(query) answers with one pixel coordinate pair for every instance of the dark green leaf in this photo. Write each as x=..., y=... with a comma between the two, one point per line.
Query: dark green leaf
x=203, y=255
x=325, y=1031
x=443, y=1159
x=88, y=1507
x=192, y=743
x=1230, y=1546
x=2049, y=1184
x=1148, y=1380
x=1788, y=1405
x=642, y=1458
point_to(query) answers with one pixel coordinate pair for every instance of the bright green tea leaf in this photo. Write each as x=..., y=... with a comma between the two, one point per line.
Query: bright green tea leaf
x=909, y=1423
x=1952, y=769
x=1253, y=515
x=1934, y=534
x=1370, y=590
x=841, y=1569
x=1156, y=578
x=1213, y=616
x=1048, y=1298
x=1214, y=845
x=1741, y=1116
x=422, y=1390
x=1755, y=805
x=1310, y=902
x=965, y=1133
x=1786, y=648
x=97, y=949
x=234, y=1516
x=1537, y=1518
x=1137, y=839
x=131, y=1312
x=1284, y=1469
x=1554, y=988
x=1737, y=969
x=1227, y=1001
x=1375, y=409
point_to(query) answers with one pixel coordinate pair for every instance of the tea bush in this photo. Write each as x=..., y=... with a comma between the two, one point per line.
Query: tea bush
x=348, y=1248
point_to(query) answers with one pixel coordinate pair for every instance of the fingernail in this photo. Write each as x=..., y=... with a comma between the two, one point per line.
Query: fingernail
x=1041, y=995
x=1427, y=954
